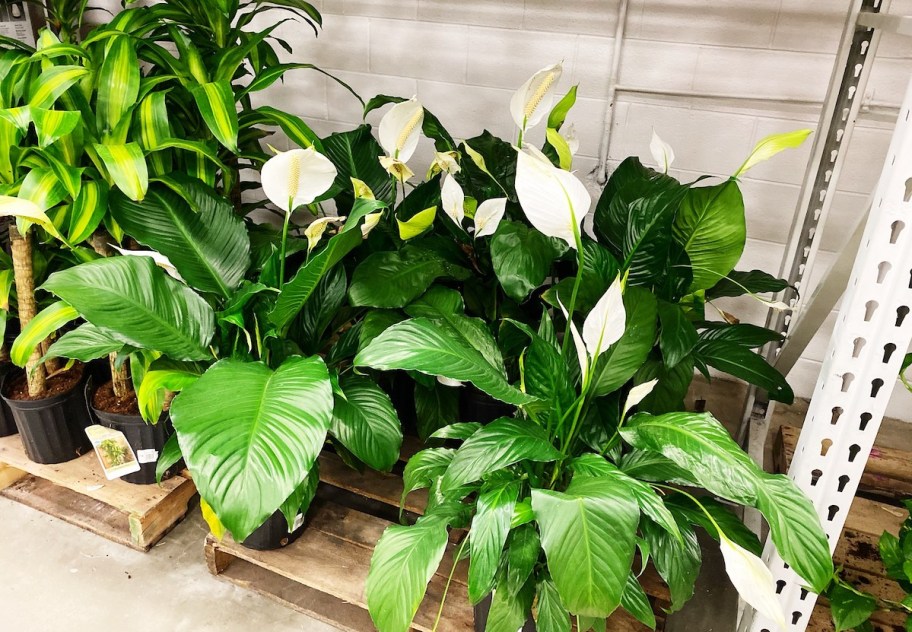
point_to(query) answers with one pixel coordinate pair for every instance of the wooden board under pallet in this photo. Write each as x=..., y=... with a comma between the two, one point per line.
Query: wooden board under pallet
x=77, y=492
x=323, y=573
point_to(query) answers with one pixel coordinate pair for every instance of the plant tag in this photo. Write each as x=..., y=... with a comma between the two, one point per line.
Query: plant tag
x=298, y=521
x=114, y=453
x=147, y=456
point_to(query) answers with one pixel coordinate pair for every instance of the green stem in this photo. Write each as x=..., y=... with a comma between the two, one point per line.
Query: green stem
x=696, y=502
x=284, y=246
x=581, y=257
x=449, y=580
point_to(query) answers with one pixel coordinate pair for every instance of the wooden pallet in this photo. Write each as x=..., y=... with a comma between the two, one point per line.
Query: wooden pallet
x=323, y=573
x=857, y=550
x=77, y=492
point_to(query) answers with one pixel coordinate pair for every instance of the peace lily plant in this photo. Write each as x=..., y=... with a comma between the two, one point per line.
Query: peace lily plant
x=599, y=464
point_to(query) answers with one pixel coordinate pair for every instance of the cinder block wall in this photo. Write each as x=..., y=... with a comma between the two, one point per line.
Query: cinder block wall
x=463, y=58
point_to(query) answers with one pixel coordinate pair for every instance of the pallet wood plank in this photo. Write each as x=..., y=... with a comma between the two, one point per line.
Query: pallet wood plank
x=385, y=488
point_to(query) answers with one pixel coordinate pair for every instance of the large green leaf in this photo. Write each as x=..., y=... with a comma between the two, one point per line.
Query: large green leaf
x=522, y=258
x=850, y=607
x=510, y=608
x=622, y=359
x=589, y=536
x=700, y=445
x=215, y=101
x=299, y=288
x=636, y=602
x=420, y=344
x=552, y=616
x=647, y=236
x=45, y=322
x=139, y=304
x=501, y=443
x=118, y=83
x=424, y=468
x=394, y=279
x=677, y=560
x=403, y=563
x=250, y=435
x=710, y=226
x=355, y=154
x=52, y=82
x=600, y=269
x=207, y=242
x=86, y=342
x=677, y=336
x=490, y=527
x=738, y=283
x=365, y=422
x=743, y=363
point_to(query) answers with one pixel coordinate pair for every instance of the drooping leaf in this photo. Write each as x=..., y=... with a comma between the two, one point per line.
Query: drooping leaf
x=139, y=304
x=552, y=616
x=738, y=283
x=410, y=555
x=743, y=363
x=86, y=342
x=127, y=168
x=490, y=527
x=46, y=322
x=588, y=534
x=365, y=422
x=677, y=561
x=250, y=434
x=635, y=601
x=215, y=101
x=422, y=345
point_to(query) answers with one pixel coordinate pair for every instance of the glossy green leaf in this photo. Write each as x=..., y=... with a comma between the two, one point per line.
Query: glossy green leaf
x=636, y=602
x=551, y=616
x=43, y=188
x=394, y=279
x=850, y=607
x=588, y=534
x=600, y=269
x=510, y=609
x=206, y=241
x=725, y=518
x=355, y=153
x=127, y=168
x=490, y=527
x=118, y=83
x=677, y=335
x=677, y=561
x=738, y=283
x=743, y=363
x=154, y=126
x=403, y=563
x=424, y=468
x=417, y=224
x=622, y=359
x=522, y=258
x=250, y=435
x=436, y=408
x=301, y=497
x=366, y=423
x=170, y=455
x=135, y=300
x=86, y=342
x=150, y=396
x=743, y=334
x=46, y=322
x=215, y=101
x=420, y=344
x=710, y=226
x=459, y=431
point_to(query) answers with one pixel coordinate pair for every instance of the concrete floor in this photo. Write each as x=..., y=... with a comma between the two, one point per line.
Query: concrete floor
x=59, y=578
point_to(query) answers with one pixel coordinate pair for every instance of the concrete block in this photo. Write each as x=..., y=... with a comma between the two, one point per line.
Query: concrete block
x=737, y=23
x=659, y=65
x=811, y=26
x=422, y=50
x=504, y=58
x=466, y=111
x=504, y=14
x=590, y=17
x=592, y=66
x=343, y=107
x=343, y=44
x=401, y=9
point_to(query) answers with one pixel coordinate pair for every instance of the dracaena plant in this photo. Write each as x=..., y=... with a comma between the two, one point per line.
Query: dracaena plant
x=559, y=498
x=242, y=341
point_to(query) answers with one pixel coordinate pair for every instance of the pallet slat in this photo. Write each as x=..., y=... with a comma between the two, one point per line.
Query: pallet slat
x=77, y=492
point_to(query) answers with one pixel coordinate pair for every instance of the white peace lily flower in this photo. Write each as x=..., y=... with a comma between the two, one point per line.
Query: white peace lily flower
x=297, y=177
x=448, y=381
x=581, y=353
x=160, y=260
x=752, y=579
x=444, y=161
x=555, y=201
x=534, y=98
x=661, y=152
x=396, y=168
x=488, y=216
x=316, y=228
x=637, y=394
x=452, y=199
x=370, y=222
x=572, y=140
x=400, y=129
x=606, y=322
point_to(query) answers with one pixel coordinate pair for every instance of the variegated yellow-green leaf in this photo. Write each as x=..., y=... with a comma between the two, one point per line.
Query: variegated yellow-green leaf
x=27, y=210
x=419, y=223
x=52, y=124
x=88, y=210
x=202, y=151
x=43, y=188
x=154, y=127
x=46, y=322
x=127, y=168
x=68, y=175
x=54, y=81
x=772, y=145
x=6, y=288
x=118, y=83
x=561, y=147
x=151, y=394
x=215, y=101
x=20, y=117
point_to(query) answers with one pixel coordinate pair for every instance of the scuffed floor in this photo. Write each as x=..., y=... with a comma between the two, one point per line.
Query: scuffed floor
x=57, y=577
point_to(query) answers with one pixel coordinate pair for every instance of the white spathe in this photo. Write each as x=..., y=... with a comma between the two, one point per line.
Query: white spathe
x=446, y=381
x=488, y=216
x=400, y=129
x=555, y=201
x=370, y=222
x=581, y=352
x=661, y=152
x=316, y=228
x=445, y=161
x=606, y=322
x=160, y=260
x=452, y=199
x=534, y=98
x=637, y=394
x=752, y=579
x=297, y=177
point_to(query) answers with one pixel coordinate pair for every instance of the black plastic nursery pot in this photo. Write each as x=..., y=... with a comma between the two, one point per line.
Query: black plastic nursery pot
x=147, y=440
x=476, y=405
x=7, y=423
x=481, y=617
x=274, y=534
x=52, y=429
